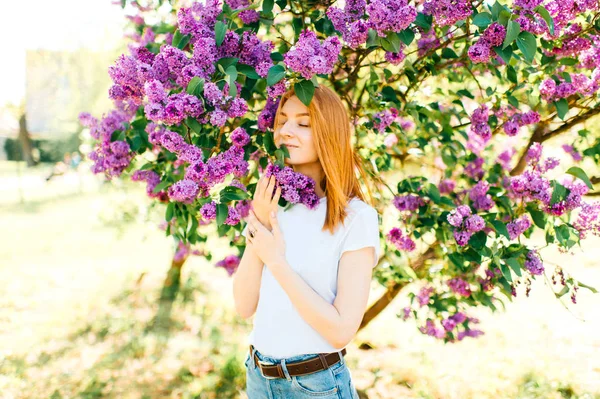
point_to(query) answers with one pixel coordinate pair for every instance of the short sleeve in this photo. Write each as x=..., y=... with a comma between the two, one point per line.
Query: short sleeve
x=363, y=231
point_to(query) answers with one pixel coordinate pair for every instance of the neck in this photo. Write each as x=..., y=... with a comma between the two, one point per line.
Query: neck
x=314, y=171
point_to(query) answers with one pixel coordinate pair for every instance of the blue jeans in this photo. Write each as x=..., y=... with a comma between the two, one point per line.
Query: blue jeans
x=333, y=382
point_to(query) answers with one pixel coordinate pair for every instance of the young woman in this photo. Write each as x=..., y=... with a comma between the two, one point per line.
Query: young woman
x=306, y=273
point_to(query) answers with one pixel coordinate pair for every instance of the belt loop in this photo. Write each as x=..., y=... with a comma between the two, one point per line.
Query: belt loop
x=283, y=368
x=342, y=360
x=252, y=353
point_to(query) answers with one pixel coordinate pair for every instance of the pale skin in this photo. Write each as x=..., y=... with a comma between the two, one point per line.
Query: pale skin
x=337, y=322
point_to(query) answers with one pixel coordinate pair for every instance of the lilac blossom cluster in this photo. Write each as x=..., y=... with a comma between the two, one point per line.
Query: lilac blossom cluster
x=447, y=12
x=230, y=263
x=152, y=179
x=518, y=226
x=448, y=325
x=403, y=243
x=235, y=213
x=466, y=224
x=552, y=91
x=588, y=219
x=569, y=149
x=481, y=199
x=109, y=157
x=479, y=123
x=295, y=187
x=184, y=250
x=533, y=263
x=309, y=57
x=512, y=125
x=481, y=51
x=408, y=202
x=266, y=118
x=424, y=296
x=383, y=119
x=459, y=286
x=383, y=16
x=247, y=16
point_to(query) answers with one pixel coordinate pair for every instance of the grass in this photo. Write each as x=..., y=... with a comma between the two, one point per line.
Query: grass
x=81, y=283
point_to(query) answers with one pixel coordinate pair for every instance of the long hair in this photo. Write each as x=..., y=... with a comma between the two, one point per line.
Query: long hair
x=332, y=136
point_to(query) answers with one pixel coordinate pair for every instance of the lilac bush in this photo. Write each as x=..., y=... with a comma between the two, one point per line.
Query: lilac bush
x=471, y=92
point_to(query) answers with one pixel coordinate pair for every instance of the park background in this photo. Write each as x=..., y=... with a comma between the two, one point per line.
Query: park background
x=82, y=262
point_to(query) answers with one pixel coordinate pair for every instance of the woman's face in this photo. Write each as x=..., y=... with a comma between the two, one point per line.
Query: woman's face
x=294, y=130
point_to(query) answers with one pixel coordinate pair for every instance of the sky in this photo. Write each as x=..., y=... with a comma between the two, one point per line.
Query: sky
x=54, y=25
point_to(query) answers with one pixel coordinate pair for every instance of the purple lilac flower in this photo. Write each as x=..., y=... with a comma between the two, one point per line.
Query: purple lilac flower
x=309, y=57
x=249, y=16
x=295, y=187
x=479, y=52
x=569, y=149
x=588, y=219
x=408, y=202
x=494, y=34
x=385, y=118
x=462, y=237
x=446, y=186
x=469, y=333
x=243, y=208
x=431, y=330
x=266, y=118
x=447, y=12
x=233, y=216
x=424, y=296
x=474, y=223
x=390, y=15
x=230, y=263
x=474, y=169
x=518, y=226
x=451, y=322
x=152, y=179
x=184, y=191
x=478, y=194
x=459, y=286
x=239, y=137
x=402, y=243
x=533, y=263
x=209, y=211
x=256, y=53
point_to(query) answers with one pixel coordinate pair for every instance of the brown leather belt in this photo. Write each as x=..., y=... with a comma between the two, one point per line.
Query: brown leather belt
x=323, y=361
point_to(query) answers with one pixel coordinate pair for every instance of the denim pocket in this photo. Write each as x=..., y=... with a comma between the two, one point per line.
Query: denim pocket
x=319, y=384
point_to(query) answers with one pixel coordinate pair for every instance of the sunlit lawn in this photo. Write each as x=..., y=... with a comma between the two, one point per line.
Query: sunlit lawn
x=79, y=287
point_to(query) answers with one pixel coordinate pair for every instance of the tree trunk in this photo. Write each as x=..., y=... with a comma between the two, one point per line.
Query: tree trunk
x=26, y=144
x=394, y=289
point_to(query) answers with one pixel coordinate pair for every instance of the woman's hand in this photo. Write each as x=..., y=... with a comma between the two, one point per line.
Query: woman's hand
x=262, y=204
x=268, y=246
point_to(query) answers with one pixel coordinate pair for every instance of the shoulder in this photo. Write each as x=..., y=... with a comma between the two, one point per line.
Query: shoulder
x=357, y=208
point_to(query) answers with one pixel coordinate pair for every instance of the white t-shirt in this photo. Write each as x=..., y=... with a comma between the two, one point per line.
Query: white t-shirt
x=279, y=331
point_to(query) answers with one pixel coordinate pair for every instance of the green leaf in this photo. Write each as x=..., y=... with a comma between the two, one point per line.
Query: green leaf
x=220, y=30
x=407, y=36
x=194, y=125
x=195, y=87
x=579, y=173
x=562, y=107
x=546, y=15
x=559, y=193
x=448, y=53
x=562, y=292
x=433, y=192
x=511, y=73
x=267, y=6
x=222, y=213
x=179, y=40
x=512, y=31
x=457, y=259
x=539, y=218
x=276, y=73
x=500, y=228
x=305, y=91
x=528, y=45
x=161, y=186
x=478, y=240
x=391, y=42
x=232, y=193
x=372, y=38
x=248, y=71
x=505, y=53
x=482, y=20
x=170, y=211
x=506, y=272
x=424, y=21
x=514, y=265
x=123, y=3
x=595, y=291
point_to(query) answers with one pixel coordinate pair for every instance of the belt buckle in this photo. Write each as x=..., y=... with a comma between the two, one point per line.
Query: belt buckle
x=260, y=362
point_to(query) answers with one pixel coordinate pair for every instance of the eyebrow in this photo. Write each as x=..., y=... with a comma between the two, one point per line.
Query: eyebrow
x=304, y=114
